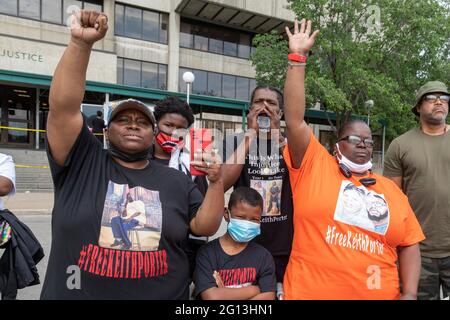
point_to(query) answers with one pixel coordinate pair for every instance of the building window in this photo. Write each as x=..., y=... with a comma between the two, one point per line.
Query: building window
x=242, y=88
x=243, y=47
x=68, y=8
x=141, y=24
x=252, y=83
x=149, y=75
x=120, y=71
x=162, y=77
x=229, y=86
x=214, y=84
x=132, y=72
x=133, y=22
x=88, y=5
x=217, y=84
x=163, y=27
x=93, y=6
x=53, y=11
x=186, y=35
x=200, y=38
x=8, y=7
x=215, y=39
x=29, y=9
x=150, y=30
x=118, y=20
x=230, y=43
x=141, y=74
x=200, y=84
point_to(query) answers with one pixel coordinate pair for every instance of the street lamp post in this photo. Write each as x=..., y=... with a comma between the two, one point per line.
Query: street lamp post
x=189, y=78
x=369, y=105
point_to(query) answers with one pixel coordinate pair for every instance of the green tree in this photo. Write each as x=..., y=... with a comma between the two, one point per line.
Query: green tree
x=379, y=50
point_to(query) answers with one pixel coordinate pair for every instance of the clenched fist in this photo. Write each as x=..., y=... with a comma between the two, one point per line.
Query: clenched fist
x=88, y=26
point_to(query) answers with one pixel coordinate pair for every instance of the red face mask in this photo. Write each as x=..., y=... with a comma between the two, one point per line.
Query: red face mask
x=168, y=143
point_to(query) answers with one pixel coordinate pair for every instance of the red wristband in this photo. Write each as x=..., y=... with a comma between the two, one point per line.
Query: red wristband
x=297, y=58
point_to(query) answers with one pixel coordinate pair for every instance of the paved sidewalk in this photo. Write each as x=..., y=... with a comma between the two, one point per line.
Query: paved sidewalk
x=30, y=203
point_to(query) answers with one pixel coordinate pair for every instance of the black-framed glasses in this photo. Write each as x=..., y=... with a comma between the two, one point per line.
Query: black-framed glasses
x=433, y=98
x=355, y=140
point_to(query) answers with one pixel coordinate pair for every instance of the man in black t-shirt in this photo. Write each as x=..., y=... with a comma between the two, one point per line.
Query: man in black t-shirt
x=91, y=185
x=255, y=159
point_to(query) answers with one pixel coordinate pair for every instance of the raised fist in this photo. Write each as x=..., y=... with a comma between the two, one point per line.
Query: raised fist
x=88, y=26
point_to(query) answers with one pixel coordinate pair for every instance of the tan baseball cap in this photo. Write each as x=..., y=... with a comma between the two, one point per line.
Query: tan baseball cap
x=120, y=105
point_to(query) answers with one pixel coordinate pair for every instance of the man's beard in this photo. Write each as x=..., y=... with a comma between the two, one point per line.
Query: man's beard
x=377, y=218
x=434, y=120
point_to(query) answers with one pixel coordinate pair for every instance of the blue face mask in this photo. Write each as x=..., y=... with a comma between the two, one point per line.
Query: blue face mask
x=243, y=230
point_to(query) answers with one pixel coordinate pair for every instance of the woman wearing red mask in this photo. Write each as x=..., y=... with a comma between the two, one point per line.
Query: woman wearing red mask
x=173, y=119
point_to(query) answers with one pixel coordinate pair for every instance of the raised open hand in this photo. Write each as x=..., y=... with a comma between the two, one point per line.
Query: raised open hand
x=88, y=26
x=302, y=40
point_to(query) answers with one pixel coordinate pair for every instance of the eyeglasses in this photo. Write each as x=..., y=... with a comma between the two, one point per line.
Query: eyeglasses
x=128, y=120
x=355, y=140
x=433, y=98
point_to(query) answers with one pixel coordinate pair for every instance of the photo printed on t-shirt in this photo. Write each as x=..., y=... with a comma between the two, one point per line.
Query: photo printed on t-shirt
x=132, y=219
x=360, y=207
x=270, y=191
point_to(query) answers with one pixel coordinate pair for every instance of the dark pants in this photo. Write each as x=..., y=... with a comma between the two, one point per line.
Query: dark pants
x=280, y=266
x=100, y=138
x=191, y=249
x=277, y=202
x=435, y=273
x=120, y=229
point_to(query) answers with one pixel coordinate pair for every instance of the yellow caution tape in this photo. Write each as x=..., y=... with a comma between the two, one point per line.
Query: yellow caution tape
x=21, y=129
x=36, y=130
x=31, y=166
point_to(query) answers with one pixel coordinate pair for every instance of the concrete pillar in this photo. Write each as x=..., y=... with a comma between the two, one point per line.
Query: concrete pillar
x=38, y=94
x=108, y=43
x=174, y=49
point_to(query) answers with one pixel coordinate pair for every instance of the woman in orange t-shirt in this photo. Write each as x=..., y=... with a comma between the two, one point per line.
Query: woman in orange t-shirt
x=355, y=234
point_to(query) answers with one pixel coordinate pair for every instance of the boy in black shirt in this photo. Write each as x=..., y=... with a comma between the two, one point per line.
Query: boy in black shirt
x=232, y=267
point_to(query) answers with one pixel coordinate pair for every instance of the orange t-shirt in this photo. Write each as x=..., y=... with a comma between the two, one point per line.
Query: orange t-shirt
x=345, y=234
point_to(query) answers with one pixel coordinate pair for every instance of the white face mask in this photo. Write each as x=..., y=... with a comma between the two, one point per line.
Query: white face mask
x=354, y=167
